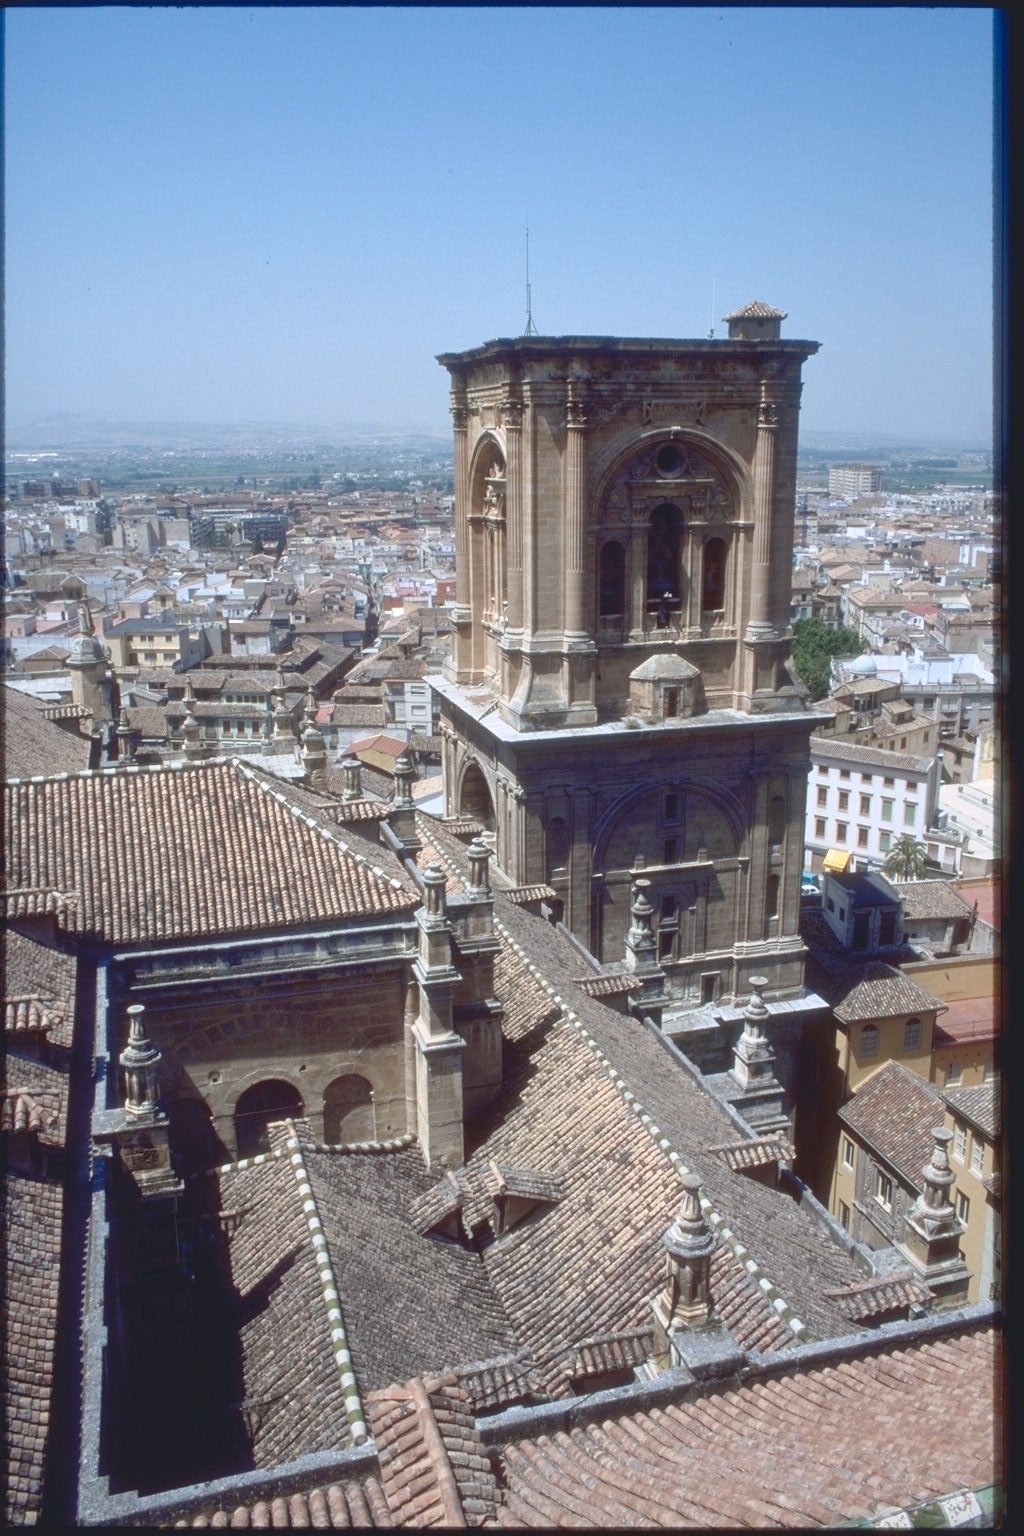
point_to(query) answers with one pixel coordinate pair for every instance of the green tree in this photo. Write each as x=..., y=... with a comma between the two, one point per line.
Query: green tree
x=907, y=859
x=814, y=645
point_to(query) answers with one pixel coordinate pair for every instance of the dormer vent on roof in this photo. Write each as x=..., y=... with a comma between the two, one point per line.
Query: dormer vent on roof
x=517, y=1192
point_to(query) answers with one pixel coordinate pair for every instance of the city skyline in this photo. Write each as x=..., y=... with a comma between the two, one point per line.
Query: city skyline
x=283, y=215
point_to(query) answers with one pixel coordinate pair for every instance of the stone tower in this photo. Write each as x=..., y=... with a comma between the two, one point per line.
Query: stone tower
x=618, y=699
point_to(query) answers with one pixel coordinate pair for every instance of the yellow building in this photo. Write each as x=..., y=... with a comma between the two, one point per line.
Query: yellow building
x=973, y=1114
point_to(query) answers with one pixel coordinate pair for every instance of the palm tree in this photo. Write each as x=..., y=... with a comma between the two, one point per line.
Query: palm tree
x=907, y=858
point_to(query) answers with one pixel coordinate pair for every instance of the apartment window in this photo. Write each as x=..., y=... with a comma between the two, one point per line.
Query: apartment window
x=844, y=1215
x=887, y=810
x=847, y=1152
x=884, y=841
x=822, y=795
x=869, y=1041
x=912, y=1035
x=963, y=1207
x=844, y=773
x=862, y=837
x=865, y=805
x=909, y=814
x=819, y=826
x=883, y=1189
x=960, y=1141
x=954, y=1071
x=844, y=799
x=977, y=1156
x=841, y=831
x=866, y=778
x=889, y=783
x=903, y=743
x=887, y=929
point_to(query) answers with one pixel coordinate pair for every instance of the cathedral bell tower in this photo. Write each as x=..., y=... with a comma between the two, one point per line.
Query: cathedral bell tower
x=618, y=697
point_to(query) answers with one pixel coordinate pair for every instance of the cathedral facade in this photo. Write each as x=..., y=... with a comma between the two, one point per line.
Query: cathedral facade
x=618, y=703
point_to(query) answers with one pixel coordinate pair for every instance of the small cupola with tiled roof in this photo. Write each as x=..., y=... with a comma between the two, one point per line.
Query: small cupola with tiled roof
x=756, y=321
x=666, y=687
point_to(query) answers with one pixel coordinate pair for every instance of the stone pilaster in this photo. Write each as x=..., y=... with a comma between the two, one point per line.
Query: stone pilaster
x=760, y=625
x=574, y=525
x=439, y=1048
x=513, y=414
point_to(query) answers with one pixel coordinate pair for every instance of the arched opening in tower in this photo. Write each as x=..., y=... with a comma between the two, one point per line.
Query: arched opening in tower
x=475, y=798
x=258, y=1107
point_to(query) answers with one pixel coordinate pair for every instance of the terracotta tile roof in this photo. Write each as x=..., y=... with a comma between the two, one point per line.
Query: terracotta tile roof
x=756, y=310
x=31, y=1269
x=882, y=992
x=756, y=1152
x=780, y=1251
x=824, y=749
x=359, y=1506
x=967, y=1019
x=39, y=984
x=434, y=1467
x=823, y=1446
x=496, y=1383
x=271, y=1296
x=33, y=744
x=606, y=986
x=979, y=1104
x=411, y=1302
x=611, y=1352
x=872, y=1299
x=895, y=1112
x=34, y=1098
x=165, y=853
x=519, y=895
x=931, y=898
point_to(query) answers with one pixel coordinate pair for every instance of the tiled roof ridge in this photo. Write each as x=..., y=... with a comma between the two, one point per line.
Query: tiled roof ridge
x=329, y=1288
x=359, y=1148
x=292, y=1148
x=327, y=829
x=767, y=1287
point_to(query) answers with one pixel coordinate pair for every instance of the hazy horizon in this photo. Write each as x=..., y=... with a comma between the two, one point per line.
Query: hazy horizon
x=282, y=215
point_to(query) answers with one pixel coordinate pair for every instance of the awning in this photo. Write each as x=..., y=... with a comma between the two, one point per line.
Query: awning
x=836, y=861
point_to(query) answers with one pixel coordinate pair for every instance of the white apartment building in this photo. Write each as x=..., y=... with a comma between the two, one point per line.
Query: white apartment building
x=861, y=799
x=854, y=480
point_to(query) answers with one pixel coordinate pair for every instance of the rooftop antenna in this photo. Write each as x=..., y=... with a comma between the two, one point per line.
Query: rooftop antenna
x=711, y=332
x=531, y=329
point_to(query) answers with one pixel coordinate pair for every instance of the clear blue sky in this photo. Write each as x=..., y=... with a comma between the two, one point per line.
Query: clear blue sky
x=284, y=214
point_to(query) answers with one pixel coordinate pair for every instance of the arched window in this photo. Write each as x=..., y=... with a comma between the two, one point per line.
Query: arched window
x=776, y=820
x=771, y=898
x=664, y=541
x=348, y=1111
x=712, y=590
x=611, y=597
x=476, y=798
x=557, y=844
x=258, y=1107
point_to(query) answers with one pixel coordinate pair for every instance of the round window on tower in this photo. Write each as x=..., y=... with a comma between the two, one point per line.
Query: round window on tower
x=668, y=459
